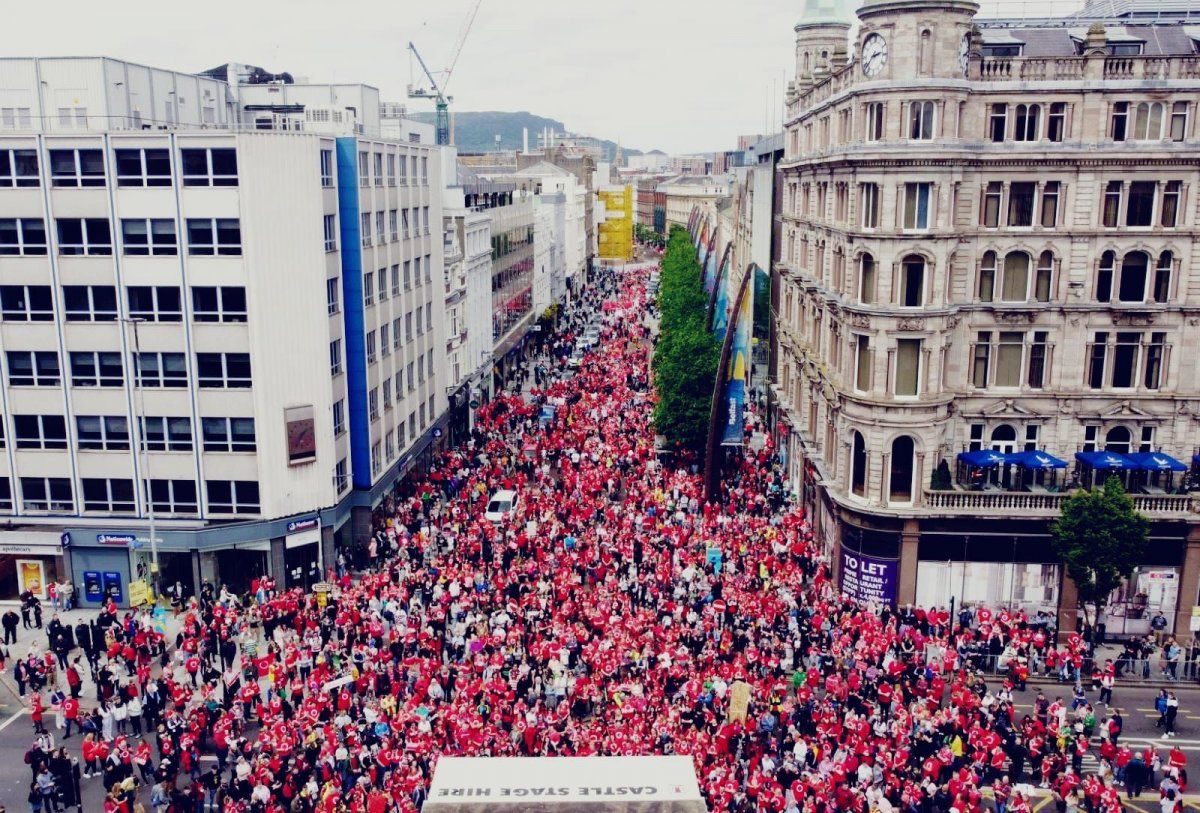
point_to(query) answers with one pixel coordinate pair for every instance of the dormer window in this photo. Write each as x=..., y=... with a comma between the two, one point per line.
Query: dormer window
x=1131, y=48
x=1001, y=51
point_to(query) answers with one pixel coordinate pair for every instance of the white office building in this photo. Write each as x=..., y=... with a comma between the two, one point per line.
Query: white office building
x=224, y=292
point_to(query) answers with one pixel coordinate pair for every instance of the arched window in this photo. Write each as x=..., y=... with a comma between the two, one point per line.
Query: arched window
x=858, y=465
x=1016, y=277
x=866, y=279
x=1104, y=277
x=912, y=281
x=1147, y=124
x=900, y=480
x=1004, y=439
x=1162, y=276
x=1045, y=277
x=987, y=276
x=926, y=54
x=1118, y=439
x=1134, y=268
x=1028, y=119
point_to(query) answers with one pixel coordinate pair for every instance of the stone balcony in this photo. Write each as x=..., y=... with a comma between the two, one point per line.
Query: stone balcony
x=1006, y=503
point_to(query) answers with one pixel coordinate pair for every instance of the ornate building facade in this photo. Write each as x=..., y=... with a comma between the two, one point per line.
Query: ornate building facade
x=986, y=245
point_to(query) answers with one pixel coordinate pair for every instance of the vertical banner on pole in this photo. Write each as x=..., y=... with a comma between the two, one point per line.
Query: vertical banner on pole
x=739, y=368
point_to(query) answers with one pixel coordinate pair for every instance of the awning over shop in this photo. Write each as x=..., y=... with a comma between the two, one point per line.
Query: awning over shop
x=1038, y=460
x=1156, y=461
x=983, y=458
x=1106, y=461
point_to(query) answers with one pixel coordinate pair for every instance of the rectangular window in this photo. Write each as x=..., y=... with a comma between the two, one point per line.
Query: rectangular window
x=1056, y=122
x=223, y=370
x=26, y=303
x=425, y=216
x=908, y=367
x=327, y=168
x=108, y=433
x=1050, y=196
x=1170, y=204
x=209, y=166
x=1097, y=360
x=916, y=205
x=385, y=347
x=333, y=290
x=226, y=303
x=379, y=227
x=1140, y=208
x=391, y=169
x=25, y=237
x=981, y=359
x=150, y=167
x=868, y=195
x=155, y=303
x=1125, y=359
x=365, y=226
x=228, y=434
x=396, y=280
x=1119, y=121
x=998, y=122
x=378, y=168
x=91, y=236
x=341, y=481
x=1179, y=121
x=330, y=225
x=1155, y=353
x=19, y=168
x=1111, y=215
x=232, y=496
x=173, y=496
x=364, y=169
x=107, y=495
x=166, y=434
x=33, y=368
x=1020, y=203
x=140, y=238
x=993, y=195
x=394, y=224
x=77, y=167
x=335, y=357
x=208, y=237
x=373, y=403
x=396, y=334
x=1009, y=354
x=874, y=122
x=863, y=362
x=368, y=288
x=381, y=284
x=46, y=494
x=40, y=431
x=372, y=353
x=339, y=417
x=90, y=303
x=161, y=370
x=1037, y=360
x=92, y=368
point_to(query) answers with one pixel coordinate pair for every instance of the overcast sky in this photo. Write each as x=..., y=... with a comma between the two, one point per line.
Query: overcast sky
x=677, y=75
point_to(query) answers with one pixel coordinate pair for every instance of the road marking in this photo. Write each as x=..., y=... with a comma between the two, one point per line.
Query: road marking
x=10, y=720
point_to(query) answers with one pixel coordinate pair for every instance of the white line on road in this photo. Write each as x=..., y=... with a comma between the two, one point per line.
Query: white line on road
x=10, y=720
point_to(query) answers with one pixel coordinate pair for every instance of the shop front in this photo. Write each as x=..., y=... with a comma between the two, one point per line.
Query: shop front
x=30, y=561
x=302, y=553
x=237, y=566
x=101, y=566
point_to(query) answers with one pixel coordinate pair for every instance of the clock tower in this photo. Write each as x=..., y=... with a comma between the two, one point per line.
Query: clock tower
x=911, y=39
x=821, y=38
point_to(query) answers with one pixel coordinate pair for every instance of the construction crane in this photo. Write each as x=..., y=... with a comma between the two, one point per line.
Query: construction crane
x=441, y=101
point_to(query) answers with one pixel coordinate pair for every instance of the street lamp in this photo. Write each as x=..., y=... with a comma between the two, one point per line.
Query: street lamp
x=143, y=454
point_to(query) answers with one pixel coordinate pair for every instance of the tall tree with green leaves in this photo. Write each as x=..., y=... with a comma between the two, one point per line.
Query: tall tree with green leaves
x=1100, y=537
x=687, y=355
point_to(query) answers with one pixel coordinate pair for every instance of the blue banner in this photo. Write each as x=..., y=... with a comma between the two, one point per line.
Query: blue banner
x=735, y=400
x=710, y=273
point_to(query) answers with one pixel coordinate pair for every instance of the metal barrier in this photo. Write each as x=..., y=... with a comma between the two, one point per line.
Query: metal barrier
x=1127, y=670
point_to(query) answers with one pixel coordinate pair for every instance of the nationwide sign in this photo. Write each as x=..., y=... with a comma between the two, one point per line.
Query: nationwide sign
x=297, y=525
x=122, y=540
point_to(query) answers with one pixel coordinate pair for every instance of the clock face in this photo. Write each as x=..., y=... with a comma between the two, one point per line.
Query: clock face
x=874, y=55
x=964, y=54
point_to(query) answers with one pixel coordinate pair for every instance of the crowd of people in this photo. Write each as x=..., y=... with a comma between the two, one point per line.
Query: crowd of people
x=611, y=611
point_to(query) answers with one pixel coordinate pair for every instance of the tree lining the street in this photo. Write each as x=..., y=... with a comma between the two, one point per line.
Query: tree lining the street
x=687, y=354
x=1100, y=538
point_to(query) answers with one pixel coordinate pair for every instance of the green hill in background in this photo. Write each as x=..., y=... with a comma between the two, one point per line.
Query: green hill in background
x=477, y=131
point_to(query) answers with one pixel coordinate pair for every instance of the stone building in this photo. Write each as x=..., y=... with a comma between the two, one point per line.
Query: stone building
x=985, y=260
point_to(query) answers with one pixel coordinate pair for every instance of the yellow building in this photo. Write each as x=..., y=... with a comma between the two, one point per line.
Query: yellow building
x=615, y=232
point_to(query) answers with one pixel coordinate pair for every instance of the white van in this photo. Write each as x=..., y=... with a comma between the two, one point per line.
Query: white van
x=500, y=505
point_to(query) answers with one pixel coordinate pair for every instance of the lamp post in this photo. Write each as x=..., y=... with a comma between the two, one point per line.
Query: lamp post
x=143, y=454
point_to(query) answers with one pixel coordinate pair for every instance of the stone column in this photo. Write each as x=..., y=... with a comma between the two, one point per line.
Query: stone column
x=328, y=550
x=1068, y=606
x=197, y=576
x=276, y=563
x=910, y=538
x=360, y=523
x=1189, y=584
